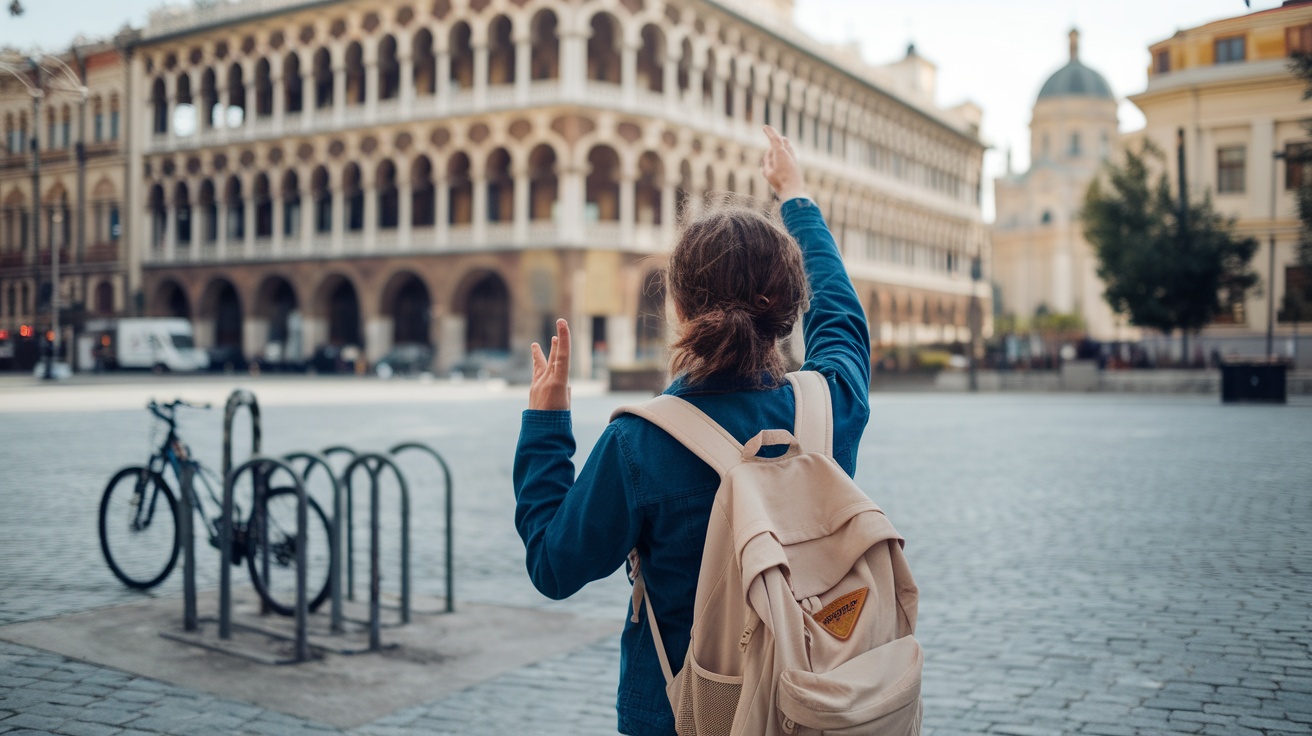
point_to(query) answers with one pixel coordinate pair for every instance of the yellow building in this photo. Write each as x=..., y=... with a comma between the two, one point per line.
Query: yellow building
x=1228, y=86
x=460, y=172
x=78, y=212
x=1040, y=257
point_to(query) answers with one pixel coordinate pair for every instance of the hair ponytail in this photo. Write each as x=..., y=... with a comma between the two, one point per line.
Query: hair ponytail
x=737, y=279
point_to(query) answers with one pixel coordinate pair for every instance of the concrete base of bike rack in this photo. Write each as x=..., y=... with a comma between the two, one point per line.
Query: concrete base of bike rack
x=436, y=655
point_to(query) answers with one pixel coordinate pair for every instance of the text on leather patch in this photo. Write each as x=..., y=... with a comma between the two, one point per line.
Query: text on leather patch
x=839, y=617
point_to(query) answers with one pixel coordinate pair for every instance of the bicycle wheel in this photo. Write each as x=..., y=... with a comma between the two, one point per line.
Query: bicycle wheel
x=271, y=551
x=139, y=527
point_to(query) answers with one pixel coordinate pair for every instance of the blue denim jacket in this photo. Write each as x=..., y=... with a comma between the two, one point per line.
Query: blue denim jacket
x=641, y=489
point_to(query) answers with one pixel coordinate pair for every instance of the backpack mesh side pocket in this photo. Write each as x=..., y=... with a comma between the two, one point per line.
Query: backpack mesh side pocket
x=707, y=702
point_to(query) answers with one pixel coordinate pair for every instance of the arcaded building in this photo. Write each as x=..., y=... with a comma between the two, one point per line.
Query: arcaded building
x=78, y=211
x=461, y=172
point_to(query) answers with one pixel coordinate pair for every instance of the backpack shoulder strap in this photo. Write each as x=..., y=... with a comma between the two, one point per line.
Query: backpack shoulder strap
x=814, y=425
x=692, y=428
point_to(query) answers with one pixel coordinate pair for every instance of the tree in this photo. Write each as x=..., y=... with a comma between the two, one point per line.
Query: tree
x=1164, y=272
x=1299, y=304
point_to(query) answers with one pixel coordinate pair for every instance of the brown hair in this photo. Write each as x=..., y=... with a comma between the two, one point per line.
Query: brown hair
x=737, y=280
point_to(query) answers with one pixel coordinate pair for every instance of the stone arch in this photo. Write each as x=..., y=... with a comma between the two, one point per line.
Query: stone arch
x=323, y=78
x=322, y=194
x=650, y=189
x=483, y=298
x=355, y=74
x=236, y=95
x=604, y=39
x=651, y=59
x=500, y=187
x=423, y=212
x=263, y=88
x=182, y=213
x=389, y=214
x=500, y=51
x=389, y=68
x=277, y=306
x=293, y=88
x=169, y=300
x=544, y=187
x=337, y=303
x=602, y=186
x=262, y=195
x=545, y=40
x=353, y=197
x=425, y=62
x=236, y=206
x=460, y=45
x=159, y=105
x=157, y=205
x=460, y=190
x=409, y=302
x=221, y=304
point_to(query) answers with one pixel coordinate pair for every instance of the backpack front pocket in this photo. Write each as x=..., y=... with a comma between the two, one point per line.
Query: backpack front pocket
x=876, y=692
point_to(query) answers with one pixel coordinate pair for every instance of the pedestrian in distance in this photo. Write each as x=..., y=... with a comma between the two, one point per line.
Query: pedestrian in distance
x=739, y=279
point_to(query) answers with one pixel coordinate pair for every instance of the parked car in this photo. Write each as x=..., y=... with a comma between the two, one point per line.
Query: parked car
x=482, y=365
x=227, y=359
x=409, y=359
x=332, y=359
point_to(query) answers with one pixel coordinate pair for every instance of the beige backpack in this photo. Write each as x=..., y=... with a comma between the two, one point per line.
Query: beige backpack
x=805, y=609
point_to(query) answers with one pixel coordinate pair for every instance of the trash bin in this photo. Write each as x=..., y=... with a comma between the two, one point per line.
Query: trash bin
x=1260, y=381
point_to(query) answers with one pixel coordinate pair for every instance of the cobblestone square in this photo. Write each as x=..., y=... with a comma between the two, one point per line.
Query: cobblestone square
x=1088, y=564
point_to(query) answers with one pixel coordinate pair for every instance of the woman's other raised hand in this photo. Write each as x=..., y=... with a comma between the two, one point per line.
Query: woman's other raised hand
x=780, y=167
x=549, y=390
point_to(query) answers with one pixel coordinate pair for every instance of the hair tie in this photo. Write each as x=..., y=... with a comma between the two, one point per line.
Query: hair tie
x=762, y=301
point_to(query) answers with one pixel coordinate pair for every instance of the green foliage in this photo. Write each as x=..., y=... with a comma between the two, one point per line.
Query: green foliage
x=1301, y=65
x=1162, y=273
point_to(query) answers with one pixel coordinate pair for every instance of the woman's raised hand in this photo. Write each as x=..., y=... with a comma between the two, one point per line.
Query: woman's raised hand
x=780, y=167
x=550, y=387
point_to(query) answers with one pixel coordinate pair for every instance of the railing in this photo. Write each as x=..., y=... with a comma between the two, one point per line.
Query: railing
x=98, y=253
x=499, y=234
x=602, y=235
x=460, y=236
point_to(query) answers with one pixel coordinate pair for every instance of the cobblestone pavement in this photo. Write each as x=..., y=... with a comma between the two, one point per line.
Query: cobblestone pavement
x=1088, y=564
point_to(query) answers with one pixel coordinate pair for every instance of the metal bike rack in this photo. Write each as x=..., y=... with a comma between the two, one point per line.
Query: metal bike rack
x=239, y=398
x=448, y=503
x=348, y=560
x=334, y=564
x=374, y=463
x=262, y=468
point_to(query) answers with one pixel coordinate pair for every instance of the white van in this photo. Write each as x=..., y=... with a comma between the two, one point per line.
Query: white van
x=157, y=343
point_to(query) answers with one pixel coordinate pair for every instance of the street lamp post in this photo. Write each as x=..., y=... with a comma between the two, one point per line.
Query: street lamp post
x=1271, y=264
x=36, y=78
x=976, y=320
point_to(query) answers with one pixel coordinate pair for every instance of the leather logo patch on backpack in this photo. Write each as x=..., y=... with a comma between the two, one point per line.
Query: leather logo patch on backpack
x=839, y=617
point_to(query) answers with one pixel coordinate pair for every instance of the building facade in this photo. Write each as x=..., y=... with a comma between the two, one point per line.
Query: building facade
x=1041, y=259
x=77, y=211
x=1228, y=87
x=460, y=172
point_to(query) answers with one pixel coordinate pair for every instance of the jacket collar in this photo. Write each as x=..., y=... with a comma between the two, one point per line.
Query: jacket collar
x=720, y=383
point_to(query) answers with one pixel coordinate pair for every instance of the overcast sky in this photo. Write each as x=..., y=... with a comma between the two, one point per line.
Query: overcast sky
x=997, y=53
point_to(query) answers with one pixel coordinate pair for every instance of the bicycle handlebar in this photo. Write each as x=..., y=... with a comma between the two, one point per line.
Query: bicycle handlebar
x=171, y=407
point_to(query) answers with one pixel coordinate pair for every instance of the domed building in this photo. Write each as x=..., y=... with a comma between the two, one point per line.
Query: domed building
x=1041, y=260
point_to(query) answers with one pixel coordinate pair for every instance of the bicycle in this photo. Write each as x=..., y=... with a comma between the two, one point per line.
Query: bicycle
x=142, y=549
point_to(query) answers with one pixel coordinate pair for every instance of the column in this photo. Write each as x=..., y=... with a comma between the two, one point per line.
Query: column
x=480, y=209
x=671, y=81
x=696, y=72
x=480, y=74
x=370, y=52
x=406, y=60
x=370, y=212
x=668, y=209
x=252, y=91
x=523, y=69
x=170, y=231
x=222, y=94
x=573, y=62
x=628, y=186
x=521, y=216
x=170, y=105
x=307, y=216
x=404, y=211
x=571, y=182
x=339, y=216
x=339, y=87
x=279, y=99
x=443, y=80
x=629, y=73
x=248, y=219
x=221, y=212
x=717, y=96
x=441, y=216
x=277, y=204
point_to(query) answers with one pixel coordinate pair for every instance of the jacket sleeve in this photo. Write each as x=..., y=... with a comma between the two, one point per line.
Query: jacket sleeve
x=574, y=530
x=834, y=328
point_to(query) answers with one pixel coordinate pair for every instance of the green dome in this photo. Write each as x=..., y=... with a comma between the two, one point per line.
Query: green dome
x=1076, y=79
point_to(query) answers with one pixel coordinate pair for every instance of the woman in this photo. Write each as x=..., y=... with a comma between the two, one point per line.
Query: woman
x=739, y=282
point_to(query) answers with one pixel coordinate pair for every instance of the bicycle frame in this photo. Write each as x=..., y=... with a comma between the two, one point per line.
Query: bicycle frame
x=173, y=454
